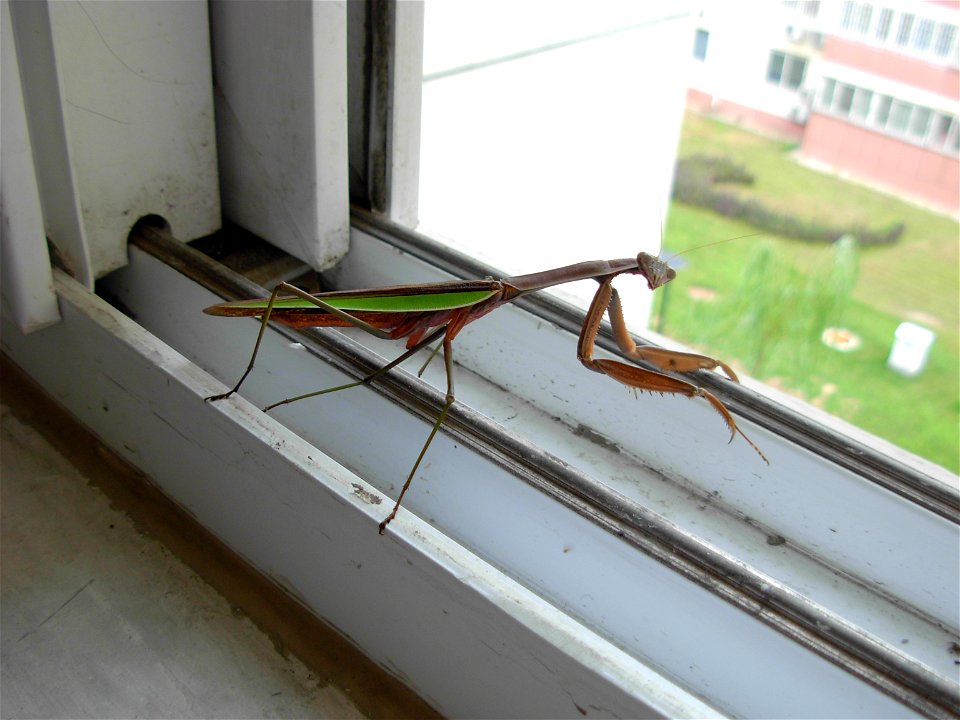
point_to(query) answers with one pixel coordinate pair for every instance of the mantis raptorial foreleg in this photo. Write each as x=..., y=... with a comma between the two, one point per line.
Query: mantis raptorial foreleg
x=672, y=360
x=606, y=299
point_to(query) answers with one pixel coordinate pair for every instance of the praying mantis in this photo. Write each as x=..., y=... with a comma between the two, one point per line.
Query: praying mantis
x=430, y=312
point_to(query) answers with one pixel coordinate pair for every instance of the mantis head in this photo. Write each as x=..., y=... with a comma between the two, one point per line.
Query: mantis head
x=656, y=271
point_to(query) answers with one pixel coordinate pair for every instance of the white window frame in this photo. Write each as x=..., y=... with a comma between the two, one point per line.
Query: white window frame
x=710, y=546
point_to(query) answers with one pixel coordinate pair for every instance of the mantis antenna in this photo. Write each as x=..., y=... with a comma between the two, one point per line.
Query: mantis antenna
x=709, y=244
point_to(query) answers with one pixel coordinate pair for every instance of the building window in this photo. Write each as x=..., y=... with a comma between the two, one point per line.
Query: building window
x=846, y=20
x=900, y=116
x=829, y=88
x=861, y=104
x=907, y=32
x=856, y=17
x=906, y=121
x=920, y=122
x=785, y=70
x=862, y=18
x=941, y=129
x=796, y=69
x=953, y=138
x=924, y=35
x=903, y=32
x=810, y=8
x=936, y=130
x=883, y=110
x=845, y=99
x=775, y=67
x=700, y=44
x=883, y=24
x=946, y=38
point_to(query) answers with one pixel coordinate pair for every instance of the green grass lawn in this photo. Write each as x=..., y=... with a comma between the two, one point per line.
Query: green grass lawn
x=917, y=279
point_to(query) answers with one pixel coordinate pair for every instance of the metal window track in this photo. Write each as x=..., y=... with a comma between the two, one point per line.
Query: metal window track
x=890, y=473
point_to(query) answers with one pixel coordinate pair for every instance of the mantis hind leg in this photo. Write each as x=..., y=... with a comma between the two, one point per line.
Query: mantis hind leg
x=448, y=362
x=256, y=347
x=367, y=378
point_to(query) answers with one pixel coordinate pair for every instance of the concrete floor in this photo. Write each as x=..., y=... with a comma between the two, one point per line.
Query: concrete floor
x=100, y=619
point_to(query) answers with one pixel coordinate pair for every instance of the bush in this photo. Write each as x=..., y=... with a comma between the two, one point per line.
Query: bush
x=761, y=317
x=696, y=183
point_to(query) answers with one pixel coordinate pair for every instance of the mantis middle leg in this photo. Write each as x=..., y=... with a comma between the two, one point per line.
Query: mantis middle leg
x=367, y=378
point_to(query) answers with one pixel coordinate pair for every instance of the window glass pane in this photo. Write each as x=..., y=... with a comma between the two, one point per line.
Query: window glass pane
x=864, y=13
x=538, y=117
x=903, y=31
x=845, y=99
x=941, y=129
x=796, y=67
x=826, y=97
x=924, y=35
x=861, y=103
x=883, y=24
x=532, y=152
x=920, y=122
x=700, y=41
x=846, y=20
x=775, y=67
x=900, y=117
x=883, y=110
x=946, y=36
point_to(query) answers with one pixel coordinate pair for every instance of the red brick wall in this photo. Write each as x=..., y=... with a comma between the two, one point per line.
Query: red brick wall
x=885, y=63
x=744, y=116
x=699, y=100
x=886, y=161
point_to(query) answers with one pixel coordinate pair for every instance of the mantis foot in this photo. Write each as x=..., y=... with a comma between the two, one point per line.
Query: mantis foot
x=224, y=396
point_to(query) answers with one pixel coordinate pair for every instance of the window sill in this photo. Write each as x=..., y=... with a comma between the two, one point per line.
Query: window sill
x=665, y=560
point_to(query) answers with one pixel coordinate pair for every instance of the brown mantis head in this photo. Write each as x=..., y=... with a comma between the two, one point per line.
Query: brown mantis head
x=656, y=271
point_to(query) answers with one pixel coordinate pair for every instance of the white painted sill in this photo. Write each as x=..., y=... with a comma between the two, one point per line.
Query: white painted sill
x=427, y=610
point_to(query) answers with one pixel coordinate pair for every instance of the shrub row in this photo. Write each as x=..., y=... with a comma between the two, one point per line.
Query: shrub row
x=696, y=183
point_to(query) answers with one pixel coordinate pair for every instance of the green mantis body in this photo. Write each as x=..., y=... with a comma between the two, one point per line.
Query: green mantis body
x=426, y=313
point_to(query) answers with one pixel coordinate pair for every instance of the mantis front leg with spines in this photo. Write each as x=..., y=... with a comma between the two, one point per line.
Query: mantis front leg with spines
x=608, y=299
